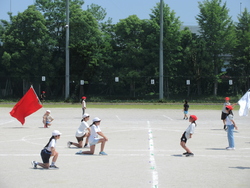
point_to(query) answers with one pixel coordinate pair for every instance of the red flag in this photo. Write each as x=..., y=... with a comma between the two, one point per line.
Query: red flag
x=27, y=105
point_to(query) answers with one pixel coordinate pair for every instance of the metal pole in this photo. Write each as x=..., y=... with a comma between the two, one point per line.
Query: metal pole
x=67, y=52
x=240, y=8
x=161, y=53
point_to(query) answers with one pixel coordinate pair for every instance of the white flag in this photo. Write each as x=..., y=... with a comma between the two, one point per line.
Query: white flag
x=244, y=103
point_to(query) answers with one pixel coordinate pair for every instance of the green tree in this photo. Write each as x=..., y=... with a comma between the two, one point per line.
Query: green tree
x=26, y=46
x=193, y=65
x=217, y=30
x=240, y=65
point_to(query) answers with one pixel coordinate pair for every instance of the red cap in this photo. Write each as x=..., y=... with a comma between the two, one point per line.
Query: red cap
x=229, y=107
x=84, y=97
x=43, y=91
x=193, y=117
x=227, y=98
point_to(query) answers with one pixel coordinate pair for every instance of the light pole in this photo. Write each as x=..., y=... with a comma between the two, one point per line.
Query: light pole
x=67, y=52
x=161, y=53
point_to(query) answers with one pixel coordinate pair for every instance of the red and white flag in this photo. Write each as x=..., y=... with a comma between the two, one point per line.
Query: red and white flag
x=27, y=105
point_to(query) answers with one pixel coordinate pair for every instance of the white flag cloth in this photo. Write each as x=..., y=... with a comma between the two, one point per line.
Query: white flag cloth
x=244, y=103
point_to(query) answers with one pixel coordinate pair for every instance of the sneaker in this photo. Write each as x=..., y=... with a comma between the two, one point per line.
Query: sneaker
x=53, y=167
x=79, y=152
x=34, y=164
x=189, y=155
x=229, y=148
x=68, y=144
x=185, y=153
x=103, y=153
x=86, y=146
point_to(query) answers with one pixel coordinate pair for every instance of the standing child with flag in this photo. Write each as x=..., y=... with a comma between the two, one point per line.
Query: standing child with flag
x=230, y=123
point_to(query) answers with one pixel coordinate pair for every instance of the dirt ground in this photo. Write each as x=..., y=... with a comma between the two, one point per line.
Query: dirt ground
x=143, y=151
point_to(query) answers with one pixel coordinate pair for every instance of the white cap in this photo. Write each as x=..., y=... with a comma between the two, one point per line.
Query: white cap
x=48, y=111
x=56, y=133
x=85, y=115
x=96, y=119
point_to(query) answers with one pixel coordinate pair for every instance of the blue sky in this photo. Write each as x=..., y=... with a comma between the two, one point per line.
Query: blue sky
x=120, y=9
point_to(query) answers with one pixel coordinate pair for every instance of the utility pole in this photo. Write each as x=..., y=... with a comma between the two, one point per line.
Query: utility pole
x=161, y=53
x=67, y=52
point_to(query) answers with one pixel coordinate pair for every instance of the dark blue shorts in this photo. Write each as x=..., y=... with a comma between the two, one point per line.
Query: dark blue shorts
x=45, y=154
x=183, y=137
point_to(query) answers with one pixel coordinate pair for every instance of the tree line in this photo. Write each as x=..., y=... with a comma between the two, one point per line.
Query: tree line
x=122, y=59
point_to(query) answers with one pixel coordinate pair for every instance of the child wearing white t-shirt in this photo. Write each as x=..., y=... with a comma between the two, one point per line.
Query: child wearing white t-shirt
x=82, y=131
x=188, y=134
x=94, y=139
x=230, y=123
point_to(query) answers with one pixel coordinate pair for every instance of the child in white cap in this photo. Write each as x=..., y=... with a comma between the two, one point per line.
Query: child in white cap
x=47, y=119
x=49, y=151
x=94, y=138
x=82, y=131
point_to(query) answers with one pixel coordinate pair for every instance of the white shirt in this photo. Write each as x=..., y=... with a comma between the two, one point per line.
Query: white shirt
x=93, y=133
x=224, y=106
x=228, y=119
x=51, y=144
x=82, y=129
x=190, y=130
x=83, y=104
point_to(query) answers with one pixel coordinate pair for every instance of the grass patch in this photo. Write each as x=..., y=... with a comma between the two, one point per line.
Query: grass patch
x=194, y=106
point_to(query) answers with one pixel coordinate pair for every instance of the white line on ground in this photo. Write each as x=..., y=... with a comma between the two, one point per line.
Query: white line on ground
x=168, y=117
x=152, y=158
x=118, y=117
x=6, y=122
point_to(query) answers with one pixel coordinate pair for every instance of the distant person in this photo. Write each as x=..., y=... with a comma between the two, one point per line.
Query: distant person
x=95, y=132
x=42, y=97
x=187, y=135
x=230, y=123
x=83, y=104
x=82, y=131
x=47, y=119
x=185, y=109
x=49, y=151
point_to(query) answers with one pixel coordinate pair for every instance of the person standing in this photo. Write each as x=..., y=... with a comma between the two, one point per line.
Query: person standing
x=82, y=131
x=230, y=123
x=188, y=134
x=47, y=119
x=224, y=112
x=94, y=138
x=185, y=109
x=42, y=97
x=83, y=104
x=49, y=151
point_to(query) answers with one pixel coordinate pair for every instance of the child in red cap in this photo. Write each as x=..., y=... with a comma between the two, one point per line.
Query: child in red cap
x=83, y=104
x=224, y=112
x=188, y=134
x=230, y=123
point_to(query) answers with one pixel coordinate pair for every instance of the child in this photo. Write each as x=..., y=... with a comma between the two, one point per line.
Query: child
x=224, y=112
x=188, y=134
x=93, y=138
x=42, y=97
x=230, y=127
x=47, y=119
x=49, y=151
x=185, y=110
x=83, y=104
x=82, y=131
